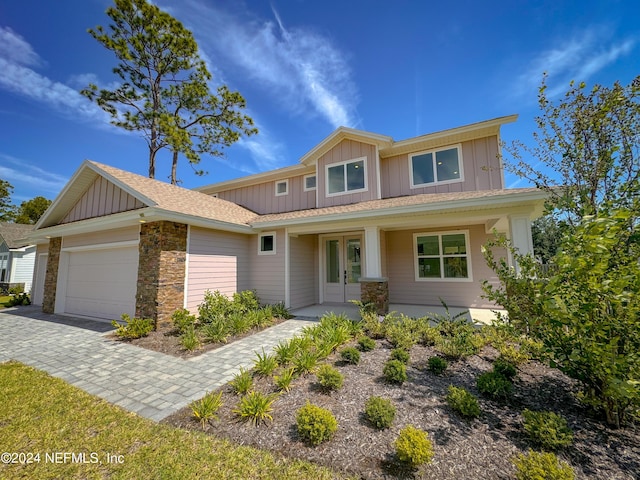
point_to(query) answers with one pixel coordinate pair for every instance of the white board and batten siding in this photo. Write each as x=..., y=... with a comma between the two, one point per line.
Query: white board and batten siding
x=404, y=288
x=216, y=261
x=22, y=264
x=303, y=267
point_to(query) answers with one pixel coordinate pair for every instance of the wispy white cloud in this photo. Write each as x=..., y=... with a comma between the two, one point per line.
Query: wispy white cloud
x=578, y=58
x=23, y=175
x=18, y=76
x=302, y=68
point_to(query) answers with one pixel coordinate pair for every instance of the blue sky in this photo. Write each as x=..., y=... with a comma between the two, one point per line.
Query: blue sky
x=402, y=68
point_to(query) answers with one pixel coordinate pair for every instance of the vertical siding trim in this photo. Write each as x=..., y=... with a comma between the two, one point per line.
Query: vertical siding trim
x=378, y=173
x=287, y=280
x=185, y=295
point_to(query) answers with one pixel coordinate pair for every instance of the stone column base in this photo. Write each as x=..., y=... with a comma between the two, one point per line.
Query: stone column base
x=376, y=291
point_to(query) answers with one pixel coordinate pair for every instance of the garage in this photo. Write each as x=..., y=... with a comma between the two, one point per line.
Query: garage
x=102, y=282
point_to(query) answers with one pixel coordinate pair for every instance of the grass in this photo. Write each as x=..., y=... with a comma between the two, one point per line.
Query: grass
x=4, y=299
x=41, y=414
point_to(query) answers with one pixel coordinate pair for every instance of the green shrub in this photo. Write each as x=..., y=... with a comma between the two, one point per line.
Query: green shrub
x=133, y=327
x=305, y=362
x=463, y=402
x=206, y=408
x=329, y=378
x=366, y=344
x=245, y=301
x=547, y=429
x=504, y=368
x=215, y=331
x=238, y=323
x=400, y=335
x=19, y=299
x=437, y=365
x=461, y=344
x=315, y=424
x=189, y=339
x=183, y=320
x=16, y=289
x=400, y=354
x=285, y=351
x=215, y=304
x=372, y=325
x=494, y=385
x=413, y=446
x=542, y=466
x=256, y=407
x=350, y=355
x=428, y=335
x=283, y=381
x=242, y=381
x=395, y=372
x=513, y=354
x=280, y=311
x=380, y=412
x=265, y=364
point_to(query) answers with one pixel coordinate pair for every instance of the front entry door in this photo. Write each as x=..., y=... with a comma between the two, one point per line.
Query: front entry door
x=342, y=268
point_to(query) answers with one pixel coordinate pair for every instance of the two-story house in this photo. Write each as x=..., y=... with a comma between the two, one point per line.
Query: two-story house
x=361, y=216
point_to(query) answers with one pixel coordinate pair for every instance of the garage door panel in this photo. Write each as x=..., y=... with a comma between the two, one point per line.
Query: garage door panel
x=102, y=283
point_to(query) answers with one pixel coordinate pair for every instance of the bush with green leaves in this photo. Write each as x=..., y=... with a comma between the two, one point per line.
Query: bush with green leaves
x=265, y=364
x=285, y=351
x=547, y=429
x=504, y=368
x=256, y=407
x=215, y=304
x=372, y=325
x=395, y=372
x=17, y=300
x=315, y=424
x=189, y=339
x=350, y=355
x=437, y=365
x=513, y=354
x=463, y=402
x=329, y=378
x=207, y=407
x=401, y=331
x=585, y=312
x=400, y=354
x=280, y=311
x=133, y=327
x=305, y=362
x=215, y=331
x=366, y=344
x=245, y=301
x=238, y=323
x=413, y=446
x=495, y=385
x=542, y=466
x=242, y=382
x=462, y=343
x=380, y=412
x=283, y=381
x=183, y=320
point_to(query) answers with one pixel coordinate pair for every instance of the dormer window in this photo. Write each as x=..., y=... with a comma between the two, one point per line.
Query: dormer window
x=347, y=177
x=436, y=167
x=282, y=188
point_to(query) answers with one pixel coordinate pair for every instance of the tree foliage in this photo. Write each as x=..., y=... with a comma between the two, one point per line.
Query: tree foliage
x=7, y=210
x=589, y=142
x=164, y=91
x=546, y=233
x=587, y=314
x=30, y=211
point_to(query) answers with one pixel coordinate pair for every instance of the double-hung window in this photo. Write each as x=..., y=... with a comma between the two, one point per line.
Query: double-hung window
x=347, y=177
x=437, y=166
x=442, y=256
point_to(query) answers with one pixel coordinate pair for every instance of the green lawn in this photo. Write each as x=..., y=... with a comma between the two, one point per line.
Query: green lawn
x=45, y=415
x=3, y=300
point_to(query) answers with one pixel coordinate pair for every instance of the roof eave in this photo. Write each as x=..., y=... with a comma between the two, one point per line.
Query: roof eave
x=340, y=134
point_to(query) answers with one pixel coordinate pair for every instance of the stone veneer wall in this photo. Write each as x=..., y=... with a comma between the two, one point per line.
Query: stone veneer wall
x=51, y=277
x=161, y=271
x=375, y=291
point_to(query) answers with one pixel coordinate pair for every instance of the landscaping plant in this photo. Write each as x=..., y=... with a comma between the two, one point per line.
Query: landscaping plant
x=265, y=364
x=315, y=424
x=463, y=402
x=380, y=412
x=242, y=382
x=542, y=466
x=305, y=362
x=283, y=381
x=329, y=378
x=413, y=446
x=366, y=344
x=400, y=354
x=495, y=385
x=183, y=320
x=189, y=339
x=206, y=408
x=350, y=355
x=437, y=365
x=547, y=429
x=256, y=407
x=395, y=371
x=133, y=327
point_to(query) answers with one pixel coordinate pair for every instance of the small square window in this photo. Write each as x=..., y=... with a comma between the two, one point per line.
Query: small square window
x=267, y=243
x=282, y=188
x=309, y=183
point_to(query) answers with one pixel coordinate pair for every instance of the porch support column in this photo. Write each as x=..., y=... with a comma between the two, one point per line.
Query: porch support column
x=521, y=238
x=374, y=288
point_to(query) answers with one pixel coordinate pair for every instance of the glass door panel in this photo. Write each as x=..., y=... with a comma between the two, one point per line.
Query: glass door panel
x=333, y=261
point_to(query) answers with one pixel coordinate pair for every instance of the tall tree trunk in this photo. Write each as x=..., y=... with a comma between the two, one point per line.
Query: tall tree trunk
x=174, y=168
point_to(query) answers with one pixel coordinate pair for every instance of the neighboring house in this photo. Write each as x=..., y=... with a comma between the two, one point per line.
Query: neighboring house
x=360, y=217
x=17, y=256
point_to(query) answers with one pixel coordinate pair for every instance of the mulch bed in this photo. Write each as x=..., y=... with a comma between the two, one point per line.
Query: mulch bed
x=478, y=449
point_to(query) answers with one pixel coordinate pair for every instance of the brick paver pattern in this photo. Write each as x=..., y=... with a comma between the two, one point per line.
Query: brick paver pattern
x=151, y=384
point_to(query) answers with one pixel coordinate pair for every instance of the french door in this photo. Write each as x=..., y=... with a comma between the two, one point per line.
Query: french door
x=342, y=268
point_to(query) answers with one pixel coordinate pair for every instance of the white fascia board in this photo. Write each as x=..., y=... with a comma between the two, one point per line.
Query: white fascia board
x=340, y=134
x=467, y=204
x=131, y=191
x=157, y=214
x=271, y=175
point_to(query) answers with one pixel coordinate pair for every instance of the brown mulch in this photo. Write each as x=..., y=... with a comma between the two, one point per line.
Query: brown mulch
x=169, y=342
x=479, y=449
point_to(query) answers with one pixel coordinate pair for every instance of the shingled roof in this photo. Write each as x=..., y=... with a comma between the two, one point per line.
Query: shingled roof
x=14, y=234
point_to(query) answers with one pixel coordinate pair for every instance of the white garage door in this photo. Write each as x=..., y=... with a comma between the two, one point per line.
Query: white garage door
x=102, y=283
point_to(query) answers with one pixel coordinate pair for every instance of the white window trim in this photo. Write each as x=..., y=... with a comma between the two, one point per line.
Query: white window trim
x=266, y=234
x=439, y=234
x=286, y=187
x=304, y=183
x=345, y=163
x=412, y=184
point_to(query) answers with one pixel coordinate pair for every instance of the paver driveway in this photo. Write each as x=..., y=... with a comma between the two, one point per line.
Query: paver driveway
x=151, y=384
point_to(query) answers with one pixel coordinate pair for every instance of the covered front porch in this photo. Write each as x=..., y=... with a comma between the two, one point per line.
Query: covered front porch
x=477, y=315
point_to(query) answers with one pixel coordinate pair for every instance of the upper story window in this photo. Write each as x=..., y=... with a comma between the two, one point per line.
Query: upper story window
x=267, y=243
x=282, y=188
x=442, y=256
x=437, y=166
x=309, y=183
x=347, y=177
